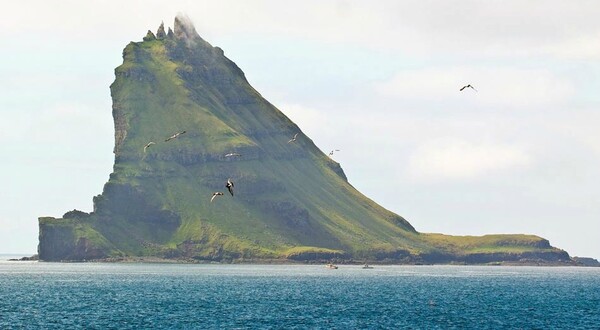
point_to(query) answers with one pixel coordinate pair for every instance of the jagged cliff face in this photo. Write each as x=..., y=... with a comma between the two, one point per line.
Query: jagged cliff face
x=291, y=200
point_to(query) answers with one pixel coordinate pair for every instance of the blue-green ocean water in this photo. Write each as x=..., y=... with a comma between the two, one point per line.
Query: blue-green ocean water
x=186, y=296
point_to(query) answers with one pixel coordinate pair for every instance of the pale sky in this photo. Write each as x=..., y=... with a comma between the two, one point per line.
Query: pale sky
x=377, y=80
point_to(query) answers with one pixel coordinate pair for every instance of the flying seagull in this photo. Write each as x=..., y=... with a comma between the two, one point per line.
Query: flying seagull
x=331, y=153
x=215, y=194
x=294, y=138
x=148, y=145
x=468, y=86
x=229, y=186
x=232, y=154
x=174, y=136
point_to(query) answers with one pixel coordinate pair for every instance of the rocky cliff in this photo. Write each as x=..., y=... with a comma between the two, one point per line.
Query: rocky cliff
x=290, y=201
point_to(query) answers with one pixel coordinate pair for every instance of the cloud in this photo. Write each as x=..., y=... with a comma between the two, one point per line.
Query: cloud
x=496, y=86
x=583, y=47
x=468, y=27
x=6, y=224
x=302, y=115
x=497, y=46
x=315, y=123
x=455, y=159
x=579, y=128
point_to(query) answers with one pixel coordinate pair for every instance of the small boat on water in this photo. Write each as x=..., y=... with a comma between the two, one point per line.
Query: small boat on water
x=366, y=266
x=331, y=266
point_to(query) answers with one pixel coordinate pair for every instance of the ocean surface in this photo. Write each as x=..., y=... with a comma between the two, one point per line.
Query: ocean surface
x=214, y=296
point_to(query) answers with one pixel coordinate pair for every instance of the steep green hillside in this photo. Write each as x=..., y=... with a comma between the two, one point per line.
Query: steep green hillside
x=291, y=200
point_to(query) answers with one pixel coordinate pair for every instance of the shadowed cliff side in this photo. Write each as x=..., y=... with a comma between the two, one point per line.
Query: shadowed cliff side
x=291, y=201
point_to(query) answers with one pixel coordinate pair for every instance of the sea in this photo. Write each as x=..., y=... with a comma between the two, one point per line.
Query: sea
x=42, y=295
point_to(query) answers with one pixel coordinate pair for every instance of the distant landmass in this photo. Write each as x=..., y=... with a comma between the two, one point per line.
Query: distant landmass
x=289, y=200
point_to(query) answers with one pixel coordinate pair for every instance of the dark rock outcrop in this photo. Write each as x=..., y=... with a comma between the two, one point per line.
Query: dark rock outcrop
x=586, y=261
x=160, y=34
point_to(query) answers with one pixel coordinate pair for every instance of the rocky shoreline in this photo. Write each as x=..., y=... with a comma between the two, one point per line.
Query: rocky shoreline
x=574, y=262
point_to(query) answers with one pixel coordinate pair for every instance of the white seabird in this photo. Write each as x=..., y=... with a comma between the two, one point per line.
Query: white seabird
x=229, y=186
x=294, y=138
x=215, y=194
x=148, y=145
x=174, y=136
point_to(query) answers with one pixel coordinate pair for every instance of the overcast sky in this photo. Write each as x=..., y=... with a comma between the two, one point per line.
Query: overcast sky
x=377, y=80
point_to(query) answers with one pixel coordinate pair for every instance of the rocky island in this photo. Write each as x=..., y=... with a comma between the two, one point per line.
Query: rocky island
x=290, y=201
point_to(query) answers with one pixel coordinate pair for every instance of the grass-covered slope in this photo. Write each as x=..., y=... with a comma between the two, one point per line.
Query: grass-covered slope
x=291, y=200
